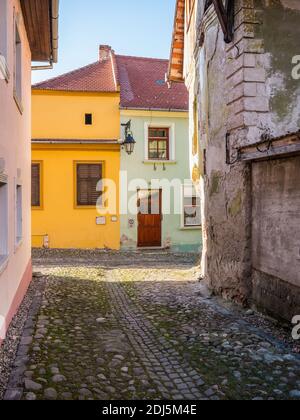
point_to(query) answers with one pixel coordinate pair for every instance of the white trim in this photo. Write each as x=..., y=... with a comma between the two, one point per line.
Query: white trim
x=160, y=162
x=3, y=263
x=183, y=196
x=18, y=212
x=113, y=70
x=4, y=250
x=4, y=72
x=172, y=141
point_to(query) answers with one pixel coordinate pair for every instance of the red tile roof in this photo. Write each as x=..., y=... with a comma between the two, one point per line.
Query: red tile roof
x=141, y=80
x=97, y=77
x=143, y=85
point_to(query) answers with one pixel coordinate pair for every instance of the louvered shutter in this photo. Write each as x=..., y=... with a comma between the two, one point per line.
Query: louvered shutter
x=88, y=176
x=35, y=185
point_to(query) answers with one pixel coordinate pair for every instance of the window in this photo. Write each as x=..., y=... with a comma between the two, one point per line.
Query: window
x=191, y=207
x=158, y=144
x=88, y=176
x=88, y=119
x=18, y=67
x=4, y=73
x=19, y=217
x=3, y=28
x=4, y=222
x=36, y=185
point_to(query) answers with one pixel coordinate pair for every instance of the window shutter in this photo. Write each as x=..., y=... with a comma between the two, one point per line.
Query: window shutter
x=88, y=176
x=35, y=185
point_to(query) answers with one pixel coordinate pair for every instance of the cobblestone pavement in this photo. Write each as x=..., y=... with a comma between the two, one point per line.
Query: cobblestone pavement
x=137, y=326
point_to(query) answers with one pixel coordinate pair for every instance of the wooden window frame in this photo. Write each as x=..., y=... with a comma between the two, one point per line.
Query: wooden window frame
x=158, y=139
x=41, y=176
x=75, y=168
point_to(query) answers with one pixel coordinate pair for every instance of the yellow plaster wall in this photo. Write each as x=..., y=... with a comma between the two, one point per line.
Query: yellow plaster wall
x=66, y=225
x=60, y=115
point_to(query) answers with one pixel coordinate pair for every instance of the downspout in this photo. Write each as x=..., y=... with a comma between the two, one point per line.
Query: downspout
x=54, y=37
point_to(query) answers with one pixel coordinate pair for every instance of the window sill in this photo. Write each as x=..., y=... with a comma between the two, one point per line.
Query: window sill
x=19, y=243
x=191, y=228
x=37, y=208
x=18, y=103
x=4, y=72
x=3, y=263
x=93, y=207
x=160, y=162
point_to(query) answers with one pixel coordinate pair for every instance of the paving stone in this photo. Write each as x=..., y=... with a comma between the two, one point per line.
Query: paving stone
x=31, y=385
x=50, y=394
x=142, y=332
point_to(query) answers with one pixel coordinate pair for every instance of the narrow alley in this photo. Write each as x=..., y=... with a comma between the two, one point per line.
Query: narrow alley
x=108, y=325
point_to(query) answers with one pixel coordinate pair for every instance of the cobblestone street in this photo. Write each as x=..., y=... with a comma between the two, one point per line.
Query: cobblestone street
x=138, y=326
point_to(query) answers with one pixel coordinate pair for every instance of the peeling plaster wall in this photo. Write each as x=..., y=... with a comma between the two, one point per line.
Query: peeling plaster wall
x=245, y=89
x=226, y=256
x=281, y=34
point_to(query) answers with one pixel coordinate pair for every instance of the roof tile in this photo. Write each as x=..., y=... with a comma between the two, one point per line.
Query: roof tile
x=142, y=82
x=143, y=85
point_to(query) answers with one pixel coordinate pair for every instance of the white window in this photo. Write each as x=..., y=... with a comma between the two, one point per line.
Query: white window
x=18, y=67
x=4, y=221
x=4, y=74
x=191, y=217
x=19, y=218
x=159, y=142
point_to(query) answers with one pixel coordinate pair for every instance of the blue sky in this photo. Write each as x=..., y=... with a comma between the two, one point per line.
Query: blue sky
x=131, y=27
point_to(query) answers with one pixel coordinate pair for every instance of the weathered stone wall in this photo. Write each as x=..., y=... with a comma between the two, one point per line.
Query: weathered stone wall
x=246, y=91
x=227, y=254
x=276, y=236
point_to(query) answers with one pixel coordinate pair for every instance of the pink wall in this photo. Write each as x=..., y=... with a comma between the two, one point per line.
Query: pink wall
x=15, y=135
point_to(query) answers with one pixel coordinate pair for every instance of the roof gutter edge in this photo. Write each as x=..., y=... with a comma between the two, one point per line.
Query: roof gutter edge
x=126, y=108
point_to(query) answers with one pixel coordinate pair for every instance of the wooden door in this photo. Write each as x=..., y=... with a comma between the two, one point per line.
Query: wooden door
x=149, y=218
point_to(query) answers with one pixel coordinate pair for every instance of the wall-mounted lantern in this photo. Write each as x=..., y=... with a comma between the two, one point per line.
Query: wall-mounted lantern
x=129, y=141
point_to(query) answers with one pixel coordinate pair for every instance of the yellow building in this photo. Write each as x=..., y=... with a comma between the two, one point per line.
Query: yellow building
x=75, y=144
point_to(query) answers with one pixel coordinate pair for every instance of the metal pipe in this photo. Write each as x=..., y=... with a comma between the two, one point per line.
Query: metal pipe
x=48, y=67
x=55, y=16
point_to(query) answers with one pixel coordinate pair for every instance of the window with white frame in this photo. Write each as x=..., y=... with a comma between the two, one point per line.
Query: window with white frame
x=4, y=221
x=18, y=66
x=191, y=207
x=19, y=218
x=159, y=142
x=3, y=40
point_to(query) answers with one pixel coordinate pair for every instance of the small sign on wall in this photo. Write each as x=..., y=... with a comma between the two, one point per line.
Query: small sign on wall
x=114, y=219
x=100, y=221
x=131, y=223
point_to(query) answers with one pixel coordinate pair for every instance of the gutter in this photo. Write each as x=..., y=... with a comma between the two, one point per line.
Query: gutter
x=126, y=108
x=54, y=12
x=54, y=31
x=73, y=141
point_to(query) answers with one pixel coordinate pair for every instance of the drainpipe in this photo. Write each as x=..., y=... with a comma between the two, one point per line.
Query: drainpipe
x=54, y=37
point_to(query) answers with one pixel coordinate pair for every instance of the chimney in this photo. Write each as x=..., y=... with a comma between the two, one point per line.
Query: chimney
x=104, y=52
